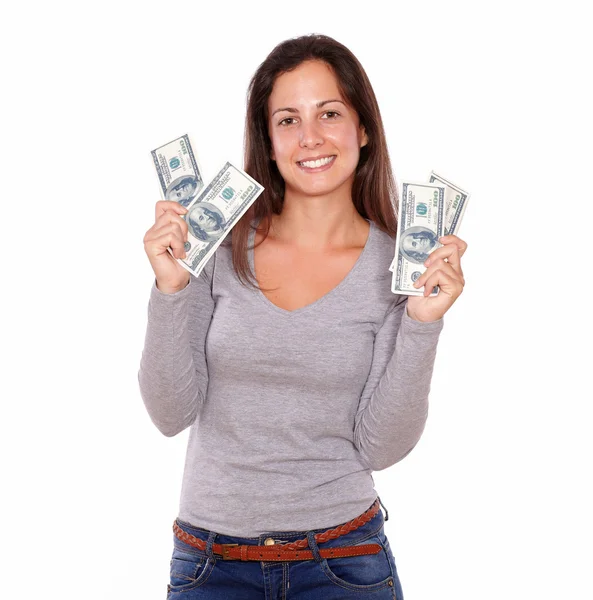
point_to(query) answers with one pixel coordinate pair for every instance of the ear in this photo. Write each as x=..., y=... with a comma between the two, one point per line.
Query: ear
x=364, y=140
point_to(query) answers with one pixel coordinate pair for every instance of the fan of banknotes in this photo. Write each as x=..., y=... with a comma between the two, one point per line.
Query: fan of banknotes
x=212, y=211
x=427, y=211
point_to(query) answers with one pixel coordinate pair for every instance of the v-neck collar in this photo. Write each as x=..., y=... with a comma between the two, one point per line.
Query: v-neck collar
x=333, y=292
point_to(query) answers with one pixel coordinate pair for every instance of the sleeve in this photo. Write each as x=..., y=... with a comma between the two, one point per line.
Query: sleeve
x=394, y=403
x=173, y=375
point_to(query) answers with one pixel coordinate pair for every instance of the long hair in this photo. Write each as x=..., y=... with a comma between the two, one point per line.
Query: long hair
x=374, y=192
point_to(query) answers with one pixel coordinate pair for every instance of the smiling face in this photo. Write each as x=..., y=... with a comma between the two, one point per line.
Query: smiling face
x=316, y=136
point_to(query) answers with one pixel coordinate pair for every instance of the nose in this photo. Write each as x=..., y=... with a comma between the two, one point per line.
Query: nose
x=310, y=135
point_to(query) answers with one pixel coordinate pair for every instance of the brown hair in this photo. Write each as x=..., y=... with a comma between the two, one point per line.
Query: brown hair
x=374, y=192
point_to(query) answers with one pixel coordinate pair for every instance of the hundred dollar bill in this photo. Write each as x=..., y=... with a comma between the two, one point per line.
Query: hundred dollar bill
x=178, y=171
x=420, y=225
x=213, y=214
x=456, y=201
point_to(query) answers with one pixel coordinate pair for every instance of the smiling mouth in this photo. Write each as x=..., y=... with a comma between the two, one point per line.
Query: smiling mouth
x=315, y=164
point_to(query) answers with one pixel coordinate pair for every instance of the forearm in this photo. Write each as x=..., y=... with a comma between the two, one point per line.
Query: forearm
x=394, y=417
x=172, y=379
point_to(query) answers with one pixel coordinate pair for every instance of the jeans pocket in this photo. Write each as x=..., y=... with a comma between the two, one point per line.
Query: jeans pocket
x=188, y=570
x=364, y=573
x=399, y=594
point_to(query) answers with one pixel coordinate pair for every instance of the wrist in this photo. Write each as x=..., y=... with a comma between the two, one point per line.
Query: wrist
x=412, y=315
x=172, y=289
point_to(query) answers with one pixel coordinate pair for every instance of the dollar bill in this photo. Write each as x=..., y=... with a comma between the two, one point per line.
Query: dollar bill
x=456, y=201
x=212, y=215
x=420, y=225
x=178, y=171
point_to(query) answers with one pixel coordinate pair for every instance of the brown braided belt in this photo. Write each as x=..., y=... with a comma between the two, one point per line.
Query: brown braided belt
x=294, y=550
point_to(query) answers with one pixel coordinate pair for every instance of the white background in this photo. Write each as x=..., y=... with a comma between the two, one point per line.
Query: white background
x=495, y=500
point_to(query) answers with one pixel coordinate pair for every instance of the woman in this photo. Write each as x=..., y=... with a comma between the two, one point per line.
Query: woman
x=297, y=369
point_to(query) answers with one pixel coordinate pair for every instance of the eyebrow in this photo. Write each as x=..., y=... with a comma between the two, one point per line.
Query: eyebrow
x=319, y=105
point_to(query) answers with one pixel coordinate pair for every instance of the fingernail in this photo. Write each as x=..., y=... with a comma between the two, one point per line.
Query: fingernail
x=427, y=262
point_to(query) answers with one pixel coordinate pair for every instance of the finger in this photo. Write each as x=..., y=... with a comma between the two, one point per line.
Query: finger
x=170, y=216
x=166, y=227
x=446, y=283
x=165, y=205
x=444, y=267
x=453, y=239
x=169, y=234
x=160, y=245
x=448, y=268
x=450, y=252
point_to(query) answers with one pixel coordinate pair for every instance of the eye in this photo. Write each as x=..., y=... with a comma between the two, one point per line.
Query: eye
x=331, y=114
x=284, y=121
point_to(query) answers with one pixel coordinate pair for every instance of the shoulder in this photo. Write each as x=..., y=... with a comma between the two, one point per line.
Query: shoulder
x=381, y=250
x=371, y=284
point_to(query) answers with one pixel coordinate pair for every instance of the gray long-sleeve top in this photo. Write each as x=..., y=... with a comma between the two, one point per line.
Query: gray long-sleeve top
x=290, y=411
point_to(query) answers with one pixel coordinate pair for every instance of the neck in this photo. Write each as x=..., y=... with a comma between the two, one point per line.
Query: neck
x=319, y=222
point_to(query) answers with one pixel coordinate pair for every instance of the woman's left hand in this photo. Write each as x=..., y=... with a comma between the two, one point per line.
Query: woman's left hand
x=447, y=274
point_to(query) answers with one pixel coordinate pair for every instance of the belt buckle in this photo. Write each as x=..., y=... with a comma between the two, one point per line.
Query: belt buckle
x=226, y=548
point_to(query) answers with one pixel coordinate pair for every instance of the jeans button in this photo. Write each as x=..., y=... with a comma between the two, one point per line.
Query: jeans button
x=269, y=542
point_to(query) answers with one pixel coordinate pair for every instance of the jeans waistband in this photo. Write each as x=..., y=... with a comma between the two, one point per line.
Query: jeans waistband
x=368, y=530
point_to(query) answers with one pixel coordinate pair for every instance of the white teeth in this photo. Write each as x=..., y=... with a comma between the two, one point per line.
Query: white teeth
x=314, y=164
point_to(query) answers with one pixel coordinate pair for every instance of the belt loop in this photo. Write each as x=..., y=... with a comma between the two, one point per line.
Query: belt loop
x=313, y=546
x=386, y=513
x=209, y=544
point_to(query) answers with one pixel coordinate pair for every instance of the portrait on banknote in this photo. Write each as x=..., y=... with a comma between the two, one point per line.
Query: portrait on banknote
x=417, y=243
x=183, y=190
x=206, y=222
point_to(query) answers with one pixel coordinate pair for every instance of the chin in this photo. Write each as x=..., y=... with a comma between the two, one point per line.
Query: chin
x=314, y=190
x=318, y=188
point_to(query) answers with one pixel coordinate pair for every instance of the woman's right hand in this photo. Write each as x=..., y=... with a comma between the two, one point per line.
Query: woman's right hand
x=169, y=229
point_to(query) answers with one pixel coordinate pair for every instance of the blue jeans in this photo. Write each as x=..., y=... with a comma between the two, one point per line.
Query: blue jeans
x=202, y=574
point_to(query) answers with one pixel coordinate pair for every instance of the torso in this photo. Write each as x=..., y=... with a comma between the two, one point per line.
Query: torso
x=297, y=278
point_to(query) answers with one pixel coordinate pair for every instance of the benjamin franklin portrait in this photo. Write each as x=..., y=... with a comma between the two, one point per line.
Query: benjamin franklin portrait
x=417, y=243
x=182, y=190
x=205, y=221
